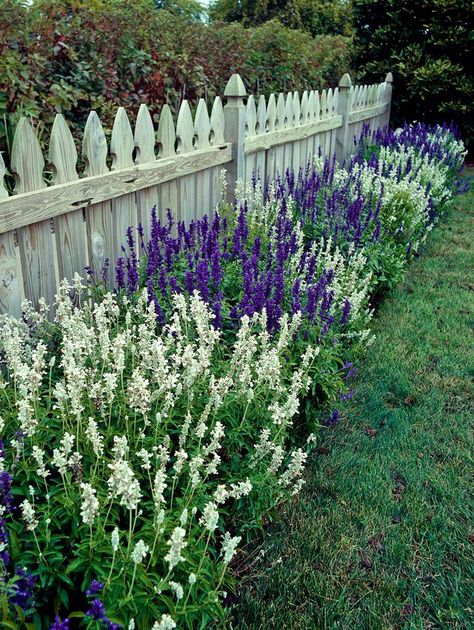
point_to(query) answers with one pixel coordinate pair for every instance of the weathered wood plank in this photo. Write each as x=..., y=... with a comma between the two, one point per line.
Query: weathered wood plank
x=98, y=213
x=271, y=127
x=34, y=206
x=35, y=239
x=70, y=228
x=186, y=184
x=11, y=279
x=144, y=140
x=202, y=132
x=124, y=207
x=167, y=149
x=261, y=129
x=365, y=114
x=282, y=136
x=217, y=139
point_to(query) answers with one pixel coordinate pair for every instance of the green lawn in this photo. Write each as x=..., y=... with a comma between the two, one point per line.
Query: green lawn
x=383, y=535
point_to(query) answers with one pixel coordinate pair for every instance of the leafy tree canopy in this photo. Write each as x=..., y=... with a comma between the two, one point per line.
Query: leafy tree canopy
x=318, y=17
x=428, y=45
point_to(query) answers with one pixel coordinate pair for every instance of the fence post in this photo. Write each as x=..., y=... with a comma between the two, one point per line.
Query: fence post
x=388, y=81
x=234, y=130
x=344, y=109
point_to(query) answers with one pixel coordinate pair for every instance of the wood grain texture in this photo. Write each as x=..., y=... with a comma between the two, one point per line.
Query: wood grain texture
x=35, y=239
x=186, y=184
x=217, y=138
x=144, y=141
x=202, y=131
x=167, y=149
x=282, y=136
x=11, y=279
x=98, y=212
x=124, y=207
x=70, y=228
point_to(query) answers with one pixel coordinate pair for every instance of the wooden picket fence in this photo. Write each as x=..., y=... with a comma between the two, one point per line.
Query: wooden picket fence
x=50, y=231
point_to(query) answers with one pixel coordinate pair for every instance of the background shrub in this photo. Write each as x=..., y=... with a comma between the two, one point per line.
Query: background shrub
x=72, y=56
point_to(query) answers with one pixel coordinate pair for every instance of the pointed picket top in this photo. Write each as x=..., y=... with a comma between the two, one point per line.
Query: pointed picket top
x=144, y=136
x=250, y=117
x=280, y=112
x=235, y=87
x=380, y=91
x=94, y=147
x=324, y=104
x=217, y=122
x=62, y=152
x=345, y=81
x=271, y=113
x=297, y=120
x=304, y=108
x=289, y=114
x=202, y=126
x=27, y=160
x=365, y=96
x=185, y=129
x=121, y=142
x=261, y=116
x=166, y=133
x=312, y=106
x=3, y=172
x=330, y=100
x=335, y=101
x=317, y=106
x=389, y=78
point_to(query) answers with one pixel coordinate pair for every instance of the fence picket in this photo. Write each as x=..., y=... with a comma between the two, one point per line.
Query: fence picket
x=144, y=141
x=186, y=184
x=69, y=228
x=167, y=142
x=124, y=208
x=261, y=128
x=202, y=132
x=11, y=280
x=36, y=241
x=99, y=215
x=297, y=146
x=250, y=131
x=216, y=139
x=271, y=126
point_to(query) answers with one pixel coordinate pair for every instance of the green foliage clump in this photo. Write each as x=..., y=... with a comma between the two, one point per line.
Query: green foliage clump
x=73, y=56
x=318, y=17
x=428, y=46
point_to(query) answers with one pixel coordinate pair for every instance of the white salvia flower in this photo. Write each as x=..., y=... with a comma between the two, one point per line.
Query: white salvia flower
x=61, y=455
x=192, y=578
x=95, y=438
x=122, y=483
x=181, y=457
x=90, y=504
x=115, y=539
x=210, y=517
x=183, y=519
x=28, y=515
x=221, y=494
x=139, y=392
x=240, y=489
x=38, y=456
x=159, y=486
x=177, y=589
x=131, y=624
x=145, y=456
x=229, y=545
x=140, y=551
x=176, y=544
x=166, y=623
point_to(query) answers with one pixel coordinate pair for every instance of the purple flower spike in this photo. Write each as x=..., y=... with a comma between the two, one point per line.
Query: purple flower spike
x=94, y=588
x=59, y=625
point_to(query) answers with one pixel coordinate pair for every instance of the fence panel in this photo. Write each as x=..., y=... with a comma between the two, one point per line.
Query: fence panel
x=59, y=221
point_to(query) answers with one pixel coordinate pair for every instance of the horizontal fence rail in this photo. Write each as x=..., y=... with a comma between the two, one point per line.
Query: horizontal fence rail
x=52, y=227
